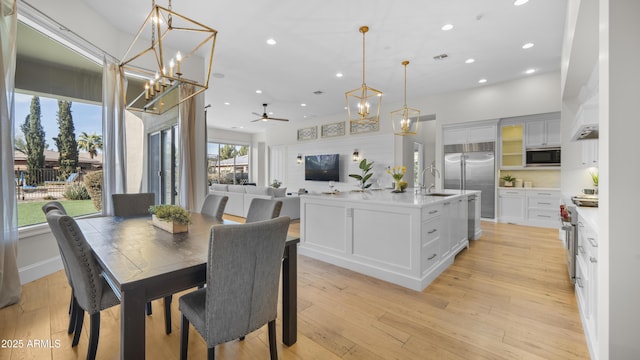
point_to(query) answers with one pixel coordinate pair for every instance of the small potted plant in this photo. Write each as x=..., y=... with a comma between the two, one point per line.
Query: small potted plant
x=508, y=180
x=276, y=183
x=171, y=218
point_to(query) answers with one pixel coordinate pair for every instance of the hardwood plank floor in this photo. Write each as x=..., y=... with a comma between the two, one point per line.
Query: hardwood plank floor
x=507, y=297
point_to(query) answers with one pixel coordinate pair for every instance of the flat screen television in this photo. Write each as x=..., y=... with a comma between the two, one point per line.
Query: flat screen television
x=322, y=167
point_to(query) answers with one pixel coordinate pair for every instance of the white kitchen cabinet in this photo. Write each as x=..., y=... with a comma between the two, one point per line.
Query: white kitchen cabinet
x=589, y=152
x=511, y=206
x=541, y=133
x=455, y=236
x=587, y=279
x=543, y=208
x=469, y=134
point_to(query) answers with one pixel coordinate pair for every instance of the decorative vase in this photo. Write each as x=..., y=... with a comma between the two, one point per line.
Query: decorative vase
x=169, y=226
x=508, y=184
x=398, y=187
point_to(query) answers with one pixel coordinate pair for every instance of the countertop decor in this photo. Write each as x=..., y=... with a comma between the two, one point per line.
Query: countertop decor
x=364, y=177
x=397, y=173
x=171, y=218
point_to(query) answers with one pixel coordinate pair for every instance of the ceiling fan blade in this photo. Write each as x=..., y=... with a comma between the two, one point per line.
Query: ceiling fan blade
x=256, y=114
x=271, y=118
x=256, y=120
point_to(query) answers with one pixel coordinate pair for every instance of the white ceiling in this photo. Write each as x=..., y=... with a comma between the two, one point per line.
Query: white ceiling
x=318, y=38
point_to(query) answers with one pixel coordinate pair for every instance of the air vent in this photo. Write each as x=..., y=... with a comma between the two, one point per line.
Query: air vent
x=318, y=92
x=440, y=57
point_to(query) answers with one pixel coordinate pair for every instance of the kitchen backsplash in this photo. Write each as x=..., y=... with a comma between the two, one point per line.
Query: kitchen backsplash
x=539, y=178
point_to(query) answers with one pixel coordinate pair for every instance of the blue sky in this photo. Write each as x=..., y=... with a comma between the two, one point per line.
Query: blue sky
x=86, y=117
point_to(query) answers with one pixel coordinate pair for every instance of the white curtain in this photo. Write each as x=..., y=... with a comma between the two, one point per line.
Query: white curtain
x=113, y=120
x=9, y=276
x=187, y=145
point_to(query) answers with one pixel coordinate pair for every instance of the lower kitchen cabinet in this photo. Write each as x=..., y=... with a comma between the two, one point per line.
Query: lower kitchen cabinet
x=530, y=206
x=587, y=281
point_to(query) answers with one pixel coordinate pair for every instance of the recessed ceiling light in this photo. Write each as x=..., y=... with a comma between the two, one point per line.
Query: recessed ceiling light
x=227, y=103
x=482, y=81
x=258, y=91
x=527, y=46
x=469, y=61
x=339, y=75
x=520, y=2
x=303, y=105
x=271, y=41
x=446, y=27
x=530, y=71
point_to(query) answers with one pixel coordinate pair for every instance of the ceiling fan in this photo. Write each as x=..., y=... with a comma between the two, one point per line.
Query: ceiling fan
x=265, y=117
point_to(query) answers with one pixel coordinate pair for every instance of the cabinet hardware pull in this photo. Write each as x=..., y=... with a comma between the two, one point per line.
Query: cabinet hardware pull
x=593, y=260
x=580, y=249
x=544, y=216
x=545, y=203
x=433, y=212
x=447, y=203
x=432, y=231
x=431, y=257
x=579, y=282
x=592, y=241
x=540, y=193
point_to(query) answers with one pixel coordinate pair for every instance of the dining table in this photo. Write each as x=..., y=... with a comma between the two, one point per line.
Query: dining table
x=142, y=262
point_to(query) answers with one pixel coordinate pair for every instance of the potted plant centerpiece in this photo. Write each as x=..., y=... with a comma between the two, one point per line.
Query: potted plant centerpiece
x=171, y=218
x=397, y=173
x=508, y=180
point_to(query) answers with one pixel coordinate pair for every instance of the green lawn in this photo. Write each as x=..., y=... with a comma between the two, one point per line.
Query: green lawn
x=30, y=212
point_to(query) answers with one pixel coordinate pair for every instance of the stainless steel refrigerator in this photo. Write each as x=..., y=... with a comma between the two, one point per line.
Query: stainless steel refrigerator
x=472, y=167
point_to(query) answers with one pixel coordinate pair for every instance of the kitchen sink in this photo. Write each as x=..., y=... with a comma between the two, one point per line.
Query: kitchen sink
x=438, y=194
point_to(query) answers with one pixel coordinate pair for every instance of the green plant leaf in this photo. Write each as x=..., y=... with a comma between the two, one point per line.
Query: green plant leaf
x=367, y=177
x=356, y=176
x=363, y=164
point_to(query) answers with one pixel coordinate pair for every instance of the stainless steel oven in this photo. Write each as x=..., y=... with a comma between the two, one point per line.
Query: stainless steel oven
x=569, y=217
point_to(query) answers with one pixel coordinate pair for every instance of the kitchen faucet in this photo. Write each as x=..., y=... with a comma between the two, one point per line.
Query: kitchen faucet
x=432, y=169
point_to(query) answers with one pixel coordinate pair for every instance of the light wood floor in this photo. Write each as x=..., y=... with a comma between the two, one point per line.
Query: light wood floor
x=507, y=297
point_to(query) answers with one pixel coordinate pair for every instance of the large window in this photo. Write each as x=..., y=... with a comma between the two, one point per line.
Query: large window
x=227, y=163
x=57, y=145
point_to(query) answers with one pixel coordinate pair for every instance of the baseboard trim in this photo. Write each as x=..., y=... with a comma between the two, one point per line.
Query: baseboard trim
x=40, y=269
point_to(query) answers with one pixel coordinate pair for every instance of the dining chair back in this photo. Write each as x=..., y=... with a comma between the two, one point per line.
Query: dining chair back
x=263, y=209
x=214, y=205
x=129, y=205
x=73, y=307
x=91, y=291
x=243, y=271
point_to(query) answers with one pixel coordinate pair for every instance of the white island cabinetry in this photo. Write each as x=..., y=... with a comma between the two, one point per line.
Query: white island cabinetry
x=405, y=239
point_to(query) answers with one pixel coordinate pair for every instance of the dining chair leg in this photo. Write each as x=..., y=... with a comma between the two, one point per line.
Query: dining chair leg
x=211, y=353
x=94, y=335
x=273, y=349
x=73, y=314
x=184, y=337
x=78, y=329
x=167, y=313
x=149, y=310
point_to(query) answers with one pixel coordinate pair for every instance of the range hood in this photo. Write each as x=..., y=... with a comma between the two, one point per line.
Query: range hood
x=585, y=125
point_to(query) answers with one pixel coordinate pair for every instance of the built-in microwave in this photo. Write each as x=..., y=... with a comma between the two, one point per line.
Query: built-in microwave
x=543, y=156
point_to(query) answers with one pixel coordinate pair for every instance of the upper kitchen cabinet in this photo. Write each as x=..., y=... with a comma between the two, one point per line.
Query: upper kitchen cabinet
x=512, y=135
x=484, y=131
x=543, y=133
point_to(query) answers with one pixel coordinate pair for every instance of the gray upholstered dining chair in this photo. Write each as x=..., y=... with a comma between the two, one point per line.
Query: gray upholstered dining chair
x=214, y=205
x=137, y=204
x=263, y=209
x=73, y=306
x=91, y=291
x=243, y=271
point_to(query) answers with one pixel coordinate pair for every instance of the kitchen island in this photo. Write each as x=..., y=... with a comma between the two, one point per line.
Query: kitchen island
x=405, y=238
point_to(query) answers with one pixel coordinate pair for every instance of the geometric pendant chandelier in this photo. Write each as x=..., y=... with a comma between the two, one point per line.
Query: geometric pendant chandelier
x=162, y=70
x=405, y=120
x=363, y=103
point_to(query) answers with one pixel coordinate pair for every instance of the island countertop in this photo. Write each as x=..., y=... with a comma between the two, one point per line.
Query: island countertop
x=387, y=197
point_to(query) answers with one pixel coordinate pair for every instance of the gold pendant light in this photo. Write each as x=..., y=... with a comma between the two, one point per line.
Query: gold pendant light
x=405, y=120
x=161, y=73
x=363, y=103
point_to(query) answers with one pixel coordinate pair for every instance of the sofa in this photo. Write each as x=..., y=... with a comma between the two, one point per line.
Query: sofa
x=240, y=197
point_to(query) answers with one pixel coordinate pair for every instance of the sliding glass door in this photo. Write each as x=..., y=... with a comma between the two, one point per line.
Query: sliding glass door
x=163, y=165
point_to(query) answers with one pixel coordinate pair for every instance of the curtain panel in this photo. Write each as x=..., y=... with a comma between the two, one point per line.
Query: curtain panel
x=114, y=87
x=10, y=288
x=188, y=140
